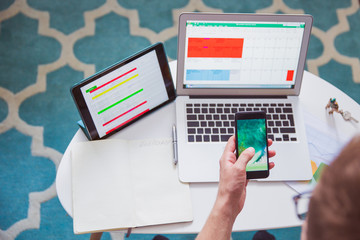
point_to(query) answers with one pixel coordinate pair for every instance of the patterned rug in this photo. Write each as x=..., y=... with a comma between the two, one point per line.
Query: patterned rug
x=47, y=46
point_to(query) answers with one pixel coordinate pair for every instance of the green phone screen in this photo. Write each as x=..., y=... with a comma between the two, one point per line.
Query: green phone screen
x=252, y=133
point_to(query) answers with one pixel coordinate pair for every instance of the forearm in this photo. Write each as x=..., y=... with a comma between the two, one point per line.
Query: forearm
x=219, y=223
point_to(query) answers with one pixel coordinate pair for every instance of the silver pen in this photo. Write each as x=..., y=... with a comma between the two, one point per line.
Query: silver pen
x=174, y=138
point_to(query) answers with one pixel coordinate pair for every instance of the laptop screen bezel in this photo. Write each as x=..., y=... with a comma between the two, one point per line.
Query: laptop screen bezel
x=185, y=17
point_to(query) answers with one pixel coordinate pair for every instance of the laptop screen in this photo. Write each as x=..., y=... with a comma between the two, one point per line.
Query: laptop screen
x=241, y=54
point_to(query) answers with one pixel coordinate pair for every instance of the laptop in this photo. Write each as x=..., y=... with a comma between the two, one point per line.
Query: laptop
x=240, y=62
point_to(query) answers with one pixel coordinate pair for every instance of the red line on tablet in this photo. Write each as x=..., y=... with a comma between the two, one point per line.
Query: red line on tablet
x=127, y=121
x=124, y=113
x=112, y=80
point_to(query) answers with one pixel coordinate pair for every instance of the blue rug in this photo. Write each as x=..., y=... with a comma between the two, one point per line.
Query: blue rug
x=47, y=46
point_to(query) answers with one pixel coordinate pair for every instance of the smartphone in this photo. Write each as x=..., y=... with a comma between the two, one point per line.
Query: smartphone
x=251, y=131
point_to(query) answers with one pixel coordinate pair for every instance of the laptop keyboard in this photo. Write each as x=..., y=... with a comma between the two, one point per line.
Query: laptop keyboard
x=211, y=122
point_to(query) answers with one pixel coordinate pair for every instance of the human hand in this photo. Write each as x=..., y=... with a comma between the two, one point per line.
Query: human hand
x=233, y=182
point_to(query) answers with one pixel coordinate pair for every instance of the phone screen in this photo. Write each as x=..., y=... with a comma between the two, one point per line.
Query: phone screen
x=252, y=133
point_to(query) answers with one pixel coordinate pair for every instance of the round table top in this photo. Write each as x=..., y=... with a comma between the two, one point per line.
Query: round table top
x=314, y=95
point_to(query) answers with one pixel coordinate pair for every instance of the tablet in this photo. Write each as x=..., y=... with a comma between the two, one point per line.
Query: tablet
x=117, y=96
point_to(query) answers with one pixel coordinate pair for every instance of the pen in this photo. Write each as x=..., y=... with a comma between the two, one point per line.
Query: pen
x=174, y=137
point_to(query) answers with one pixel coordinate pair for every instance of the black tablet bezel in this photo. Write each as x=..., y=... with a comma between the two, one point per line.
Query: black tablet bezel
x=80, y=101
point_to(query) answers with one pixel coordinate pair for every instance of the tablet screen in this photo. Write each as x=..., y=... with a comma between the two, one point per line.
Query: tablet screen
x=125, y=93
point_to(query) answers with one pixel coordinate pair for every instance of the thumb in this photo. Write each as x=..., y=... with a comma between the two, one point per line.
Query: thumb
x=245, y=157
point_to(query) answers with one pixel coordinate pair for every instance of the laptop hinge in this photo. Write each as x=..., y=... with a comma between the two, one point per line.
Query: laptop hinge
x=239, y=97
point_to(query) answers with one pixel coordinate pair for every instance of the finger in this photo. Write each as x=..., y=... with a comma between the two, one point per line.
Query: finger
x=271, y=165
x=245, y=157
x=270, y=142
x=230, y=145
x=272, y=153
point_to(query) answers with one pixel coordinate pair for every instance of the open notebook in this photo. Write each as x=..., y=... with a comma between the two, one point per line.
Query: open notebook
x=123, y=184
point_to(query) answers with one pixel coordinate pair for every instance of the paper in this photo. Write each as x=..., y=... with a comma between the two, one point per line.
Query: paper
x=324, y=145
x=121, y=184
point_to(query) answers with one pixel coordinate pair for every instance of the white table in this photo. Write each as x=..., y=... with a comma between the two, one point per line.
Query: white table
x=277, y=210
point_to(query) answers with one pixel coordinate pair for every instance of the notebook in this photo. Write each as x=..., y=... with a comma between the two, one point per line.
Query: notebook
x=240, y=62
x=123, y=184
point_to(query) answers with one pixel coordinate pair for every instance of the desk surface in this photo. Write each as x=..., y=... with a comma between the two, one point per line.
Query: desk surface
x=277, y=210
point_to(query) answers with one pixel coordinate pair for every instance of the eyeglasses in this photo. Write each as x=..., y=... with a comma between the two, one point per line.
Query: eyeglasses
x=301, y=202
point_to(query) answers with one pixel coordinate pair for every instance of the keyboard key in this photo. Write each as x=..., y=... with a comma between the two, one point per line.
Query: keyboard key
x=282, y=116
x=212, y=110
x=214, y=138
x=208, y=117
x=233, y=110
x=215, y=130
x=273, y=104
x=219, y=110
x=231, y=117
x=196, y=110
x=287, y=110
x=191, y=117
x=278, y=139
x=232, y=123
x=204, y=110
x=204, y=105
x=206, y=138
x=212, y=105
x=270, y=123
x=271, y=137
x=198, y=138
x=189, y=110
x=285, y=123
x=241, y=109
x=270, y=110
x=293, y=139
x=287, y=130
x=275, y=130
x=280, y=104
x=249, y=109
x=220, y=105
x=231, y=130
x=258, y=104
x=222, y=130
x=291, y=119
x=242, y=105
x=225, y=138
x=278, y=123
x=189, y=105
x=197, y=105
x=191, y=130
x=191, y=138
x=227, y=110
x=226, y=123
x=216, y=117
x=227, y=105
x=207, y=130
x=211, y=123
x=288, y=104
x=250, y=104
x=223, y=117
x=275, y=117
x=200, y=131
x=268, y=130
x=218, y=123
x=278, y=110
x=192, y=124
x=203, y=124
x=201, y=117
x=268, y=116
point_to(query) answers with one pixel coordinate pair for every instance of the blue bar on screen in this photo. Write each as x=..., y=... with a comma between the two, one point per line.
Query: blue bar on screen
x=208, y=75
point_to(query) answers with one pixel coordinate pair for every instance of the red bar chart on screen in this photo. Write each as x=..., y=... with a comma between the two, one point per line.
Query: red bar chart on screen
x=290, y=75
x=215, y=47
